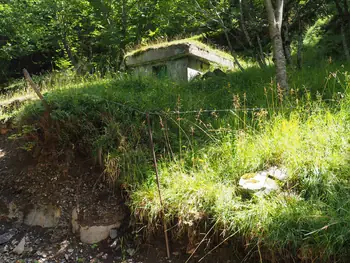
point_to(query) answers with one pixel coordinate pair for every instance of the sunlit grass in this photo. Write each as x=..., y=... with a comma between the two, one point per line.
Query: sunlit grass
x=202, y=155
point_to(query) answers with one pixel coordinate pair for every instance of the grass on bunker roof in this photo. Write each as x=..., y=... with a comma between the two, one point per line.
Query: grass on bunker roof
x=163, y=44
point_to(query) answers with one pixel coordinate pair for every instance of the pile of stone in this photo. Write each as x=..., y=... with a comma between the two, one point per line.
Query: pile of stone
x=264, y=182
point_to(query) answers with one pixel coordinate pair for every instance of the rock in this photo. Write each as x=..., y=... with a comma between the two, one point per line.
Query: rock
x=75, y=224
x=277, y=173
x=95, y=234
x=5, y=249
x=44, y=216
x=131, y=251
x=113, y=233
x=63, y=247
x=4, y=238
x=95, y=229
x=41, y=254
x=114, y=244
x=258, y=182
x=20, y=247
x=264, y=181
x=14, y=212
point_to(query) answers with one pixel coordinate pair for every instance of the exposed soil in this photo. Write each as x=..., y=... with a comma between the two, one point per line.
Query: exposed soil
x=30, y=182
x=67, y=183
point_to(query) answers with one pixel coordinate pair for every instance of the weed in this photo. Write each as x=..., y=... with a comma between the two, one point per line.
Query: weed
x=94, y=246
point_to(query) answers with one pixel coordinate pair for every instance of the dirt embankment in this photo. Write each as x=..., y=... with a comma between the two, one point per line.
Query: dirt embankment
x=37, y=197
x=50, y=204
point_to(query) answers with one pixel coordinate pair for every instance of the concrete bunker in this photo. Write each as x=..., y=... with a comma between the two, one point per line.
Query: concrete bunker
x=179, y=61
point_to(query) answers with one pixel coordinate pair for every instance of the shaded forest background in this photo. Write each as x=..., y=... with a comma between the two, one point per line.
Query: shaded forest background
x=94, y=35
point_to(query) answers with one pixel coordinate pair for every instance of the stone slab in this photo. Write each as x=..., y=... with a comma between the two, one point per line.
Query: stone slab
x=44, y=216
x=176, y=51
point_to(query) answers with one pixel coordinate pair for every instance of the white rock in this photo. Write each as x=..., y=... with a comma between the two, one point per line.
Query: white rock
x=20, y=247
x=95, y=234
x=280, y=174
x=270, y=185
x=258, y=182
x=253, y=182
x=113, y=233
x=114, y=244
x=44, y=216
x=5, y=249
x=4, y=238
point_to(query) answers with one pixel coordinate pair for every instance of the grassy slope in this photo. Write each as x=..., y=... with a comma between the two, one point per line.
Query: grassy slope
x=202, y=161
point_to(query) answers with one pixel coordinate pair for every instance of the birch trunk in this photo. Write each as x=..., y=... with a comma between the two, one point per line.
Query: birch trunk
x=275, y=22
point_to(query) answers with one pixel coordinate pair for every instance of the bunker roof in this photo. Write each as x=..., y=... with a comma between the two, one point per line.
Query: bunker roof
x=175, y=50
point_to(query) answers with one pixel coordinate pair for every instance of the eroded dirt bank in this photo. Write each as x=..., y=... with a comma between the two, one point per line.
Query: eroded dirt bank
x=38, y=198
x=56, y=208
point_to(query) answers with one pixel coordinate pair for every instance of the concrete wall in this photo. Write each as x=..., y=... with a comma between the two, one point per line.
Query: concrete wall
x=180, y=70
x=196, y=67
x=145, y=70
x=177, y=69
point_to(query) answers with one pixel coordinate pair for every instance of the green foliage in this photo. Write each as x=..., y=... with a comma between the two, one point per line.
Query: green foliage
x=203, y=155
x=307, y=218
x=93, y=36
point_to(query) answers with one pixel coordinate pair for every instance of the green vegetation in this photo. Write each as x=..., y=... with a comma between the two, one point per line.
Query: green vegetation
x=208, y=133
x=203, y=155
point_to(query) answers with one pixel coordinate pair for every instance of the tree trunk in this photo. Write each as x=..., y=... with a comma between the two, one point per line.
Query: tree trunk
x=346, y=14
x=261, y=52
x=275, y=23
x=69, y=51
x=243, y=27
x=343, y=23
x=259, y=55
x=233, y=52
x=345, y=42
x=124, y=35
x=300, y=50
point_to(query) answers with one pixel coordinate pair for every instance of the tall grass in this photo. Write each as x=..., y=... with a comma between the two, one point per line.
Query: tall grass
x=202, y=154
